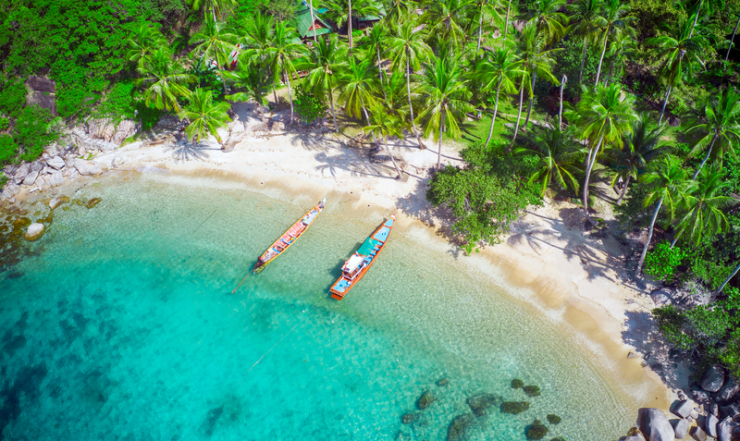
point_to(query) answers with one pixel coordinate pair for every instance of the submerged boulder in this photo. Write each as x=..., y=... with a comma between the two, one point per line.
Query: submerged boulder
x=410, y=417
x=480, y=403
x=425, y=400
x=35, y=231
x=654, y=425
x=713, y=379
x=93, y=202
x=554, y=419
x=514, y=407
x=57, y=201
x=537, y=430
x=517, y=383
x=442, y=382
x=458, y=428
x=532, y=391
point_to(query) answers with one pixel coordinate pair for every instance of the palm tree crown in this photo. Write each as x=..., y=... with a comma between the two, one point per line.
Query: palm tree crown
x=559, y=155
x=717, y=126
x=164, y=80
x=204, y=115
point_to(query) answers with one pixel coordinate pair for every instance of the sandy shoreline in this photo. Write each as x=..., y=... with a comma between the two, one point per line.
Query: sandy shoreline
x=556, y=269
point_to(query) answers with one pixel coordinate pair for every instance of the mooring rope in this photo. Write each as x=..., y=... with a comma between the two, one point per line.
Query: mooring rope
x=240, y=283
x=201, y=224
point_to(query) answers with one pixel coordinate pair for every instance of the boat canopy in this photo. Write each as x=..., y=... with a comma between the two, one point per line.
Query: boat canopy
x=368, y=246
x=353, y=263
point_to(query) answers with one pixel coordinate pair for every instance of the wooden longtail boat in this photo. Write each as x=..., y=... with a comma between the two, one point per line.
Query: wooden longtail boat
x=355, y=268
x=289, y=238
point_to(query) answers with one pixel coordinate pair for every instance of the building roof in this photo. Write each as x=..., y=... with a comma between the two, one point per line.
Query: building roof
x=306, y=28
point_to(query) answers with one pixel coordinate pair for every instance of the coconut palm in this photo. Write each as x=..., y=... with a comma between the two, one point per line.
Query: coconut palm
x=164, y=80
x=727, y=280
x=681, y=54
x=623, y=48
x=444, y=92
x=732, y=43
x=375, y=42
x=407, y=47
x=218, y=7
x=253, y=82
x=707, y=8
x=345, y=11
x=717, y=125
x=559, y=156
x=395, y=95
x=603, y=115
x=612, y=20
x=549, y=21
x=586, y=12
x=703, y=203
x=321, y=64
x=445, y=18
x=563, y=80
x=356, y=82
x=480, y=9
x=284, y=47
x=666, y=182
x=143, y=42
x=384, y=123
x=498, y=69
x=216, y=42
x=204, y=115
x=631, y=157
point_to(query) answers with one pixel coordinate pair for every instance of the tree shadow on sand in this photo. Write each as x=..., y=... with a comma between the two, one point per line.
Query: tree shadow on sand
x=185, y=151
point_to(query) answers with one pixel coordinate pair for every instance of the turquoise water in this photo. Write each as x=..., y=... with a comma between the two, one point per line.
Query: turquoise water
x=121, y=326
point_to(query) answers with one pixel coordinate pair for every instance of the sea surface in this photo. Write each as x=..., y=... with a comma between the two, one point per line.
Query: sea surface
x=120, y=324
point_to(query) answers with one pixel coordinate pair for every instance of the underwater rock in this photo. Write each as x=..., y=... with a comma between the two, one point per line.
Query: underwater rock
x=35, y=231
x=21, y=222
x=425, y=400
x=517, y=384
x=532, y=391
x=458, y=428
x=480, y=403
x=57, y=201
x=442, y=382
x=537, y=430
x=554, y=419
x=713, y=379
x=514, y=407
x=410, y=417
x=560, y=438
x=680, y=428
x=93, y=202
x=654, y=425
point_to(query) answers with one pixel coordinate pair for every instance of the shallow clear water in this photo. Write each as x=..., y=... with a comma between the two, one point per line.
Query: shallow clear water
x=123, y=327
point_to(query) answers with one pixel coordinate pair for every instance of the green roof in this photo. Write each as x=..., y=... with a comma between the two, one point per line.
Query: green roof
x=368, y=246
x=303, y=21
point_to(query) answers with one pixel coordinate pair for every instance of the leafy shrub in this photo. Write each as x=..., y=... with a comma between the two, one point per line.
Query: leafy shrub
x=307, y=105
x=4, y=123
x=34, y=130
x=568, y=62
x=663, y=261
x=12, y=97
x=8, y=150
x=148, y=116
x=119, y=103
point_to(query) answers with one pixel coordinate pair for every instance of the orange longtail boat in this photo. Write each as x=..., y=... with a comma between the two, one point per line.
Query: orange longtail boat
x=289, y=238
x=355, y=268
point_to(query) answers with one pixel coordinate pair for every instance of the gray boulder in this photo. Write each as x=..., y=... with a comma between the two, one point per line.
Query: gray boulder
x=682, y=408
x=21, y=173
x=713, y=379
x=724, y=429
x=31, y=177
x=56, y=179
x=680, y=428
x=728, y=391
x=731, y=410
x=654, y=425
x=698, y=434
x=87, y=168
x=636, y=437
x=56, y=162
x=41, y=84
x=700, y=396
x=710, y=425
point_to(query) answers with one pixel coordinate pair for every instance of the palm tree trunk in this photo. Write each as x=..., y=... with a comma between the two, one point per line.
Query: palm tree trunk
x=601, y=60
x=583, y=60
x=411, y=107
x=624, y=190
x=310, y=7
x=698, y=10
x=506, y=25
x=665, y=101
x=439, y=147
x=290, y=96
x=213, y=10
x=560, y=111
x=398, y=170
x=531, y=100
x=495, y=109
x=333, y=114
x=732, y=40
x=611, y=69
x=223, y=78
x=480, y=31
x=381, y=73
x=274, y=94
x=519, y=116
x=719, y=290
x=349, y=24
x=589, y=169
x=709, y=152
x=649, y=238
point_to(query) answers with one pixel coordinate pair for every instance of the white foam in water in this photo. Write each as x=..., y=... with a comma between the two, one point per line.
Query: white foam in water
x=124, y=328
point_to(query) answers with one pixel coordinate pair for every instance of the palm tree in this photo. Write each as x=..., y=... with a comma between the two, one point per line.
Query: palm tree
x=204, y=115
x=549, y=21
x=217, y=7
x=498, y=69
x=214, y=41
x=674, y=49
x=666, y=182
x=407, y=46
x=444, y=94
x=563, y=80
x=711, y=6
x=631, y=157
x=702, y=203
x=356, y=83
x=604, y=114
x=727, y=280
x=143, y=42
x=481, y=8
x=375, y=42
x=253, y=81
x=384, y=123
x=321, y=63
x=345, y=11
x=612, y=20
x=623, y=47
x=258, y=34
x=445, y=17
x=732, y=43
x=284, y=47
x=586, y=12
x=164, y=80
x=559, y=154
x=718, y=123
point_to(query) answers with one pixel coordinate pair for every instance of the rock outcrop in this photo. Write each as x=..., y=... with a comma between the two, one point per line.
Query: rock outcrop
x=728, y=391
x=654, y=425
x=713, y=379
x=106, y=130
x=43, y=94
x=87, y=168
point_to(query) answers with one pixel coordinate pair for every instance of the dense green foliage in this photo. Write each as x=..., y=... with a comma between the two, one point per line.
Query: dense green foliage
x=663, y=261
x=35, y=129
x=8, y=149
x=308, y=106
x=12, y=97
